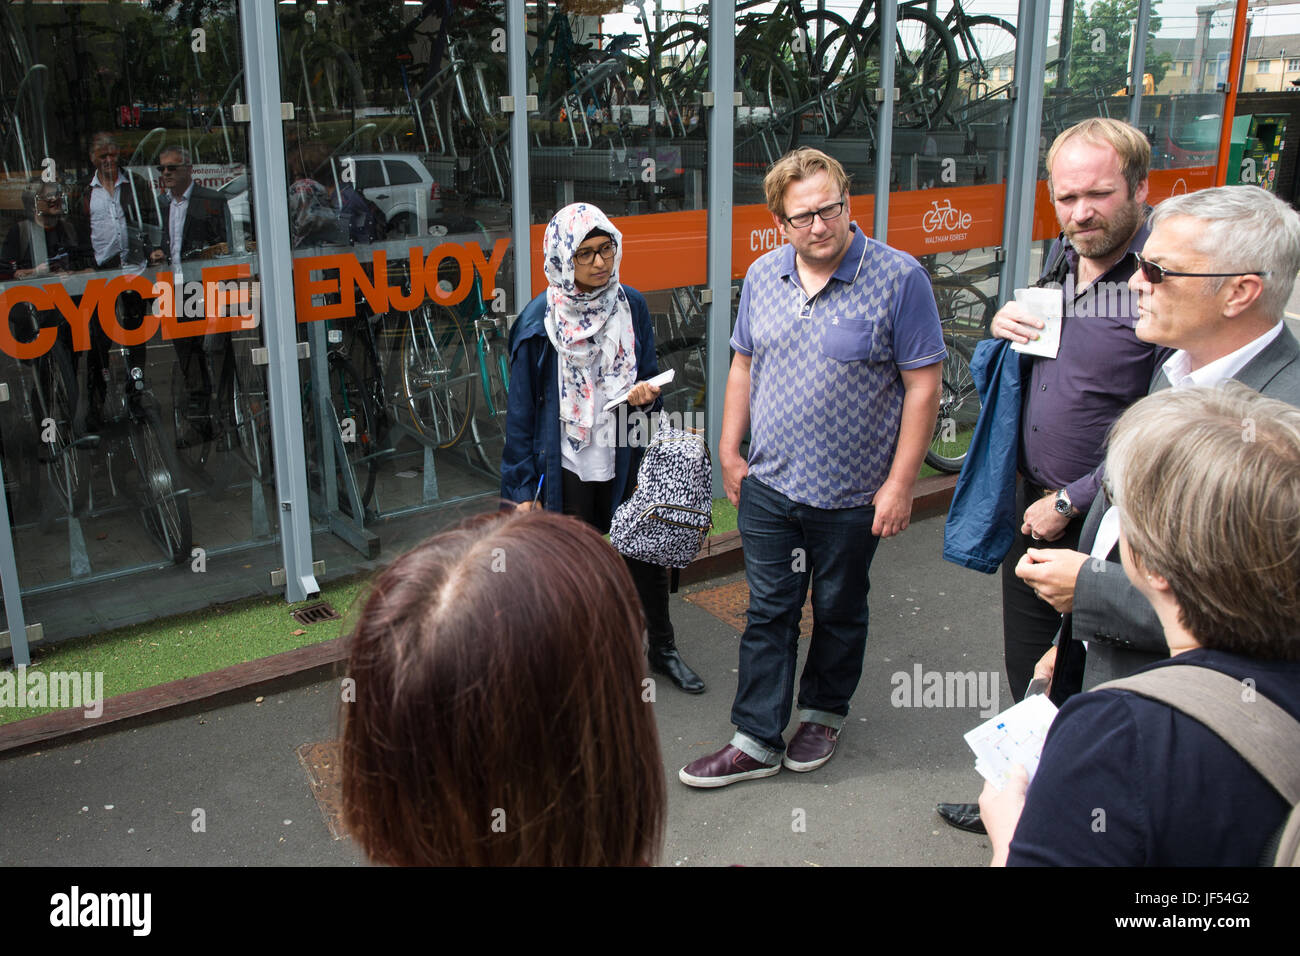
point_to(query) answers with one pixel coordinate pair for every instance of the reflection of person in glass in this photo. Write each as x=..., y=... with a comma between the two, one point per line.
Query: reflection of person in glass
x=313, y=216
x=582, y=342
x=45, y=241
x=114, y=210
x=195, y=226
x=194, y=219
x=114, y=207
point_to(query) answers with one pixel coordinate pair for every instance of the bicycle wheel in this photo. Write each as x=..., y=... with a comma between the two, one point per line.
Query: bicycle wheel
x=768, y=94
x=843, y=73
x=252, y=412
x=192, y=423
x=926, y=67
x=494, y=370
x=959, y=408
x=963, y=309
x=357, y=425
x=983, y=43
x=164, y=508
x=437, y=381
x=54, y=403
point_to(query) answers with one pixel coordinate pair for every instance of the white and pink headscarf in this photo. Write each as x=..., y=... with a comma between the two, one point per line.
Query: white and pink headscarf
x=591, y=331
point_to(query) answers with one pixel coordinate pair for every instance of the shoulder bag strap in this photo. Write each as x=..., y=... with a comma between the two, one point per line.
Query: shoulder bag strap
x=1266, y=736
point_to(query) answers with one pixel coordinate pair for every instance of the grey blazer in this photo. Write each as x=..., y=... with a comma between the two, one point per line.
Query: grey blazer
x=1120, y=626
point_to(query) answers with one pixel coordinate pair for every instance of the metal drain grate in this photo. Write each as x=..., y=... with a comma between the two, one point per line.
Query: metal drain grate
x=315, y=613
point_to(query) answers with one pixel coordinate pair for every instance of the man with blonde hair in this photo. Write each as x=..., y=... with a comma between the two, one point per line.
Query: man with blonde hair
x=1213, y=283
x=836, y=376
x=1034, y=476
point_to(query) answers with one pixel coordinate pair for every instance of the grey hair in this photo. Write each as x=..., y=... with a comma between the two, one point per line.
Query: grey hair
x=1207, y=483
x=180, y=151
x=1245, y=228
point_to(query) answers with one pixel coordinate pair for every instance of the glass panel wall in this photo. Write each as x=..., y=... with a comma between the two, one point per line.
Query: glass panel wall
x=1183, y=90
x=954, y=69
x=400, y=213
x=132, y=403
x=620, y=123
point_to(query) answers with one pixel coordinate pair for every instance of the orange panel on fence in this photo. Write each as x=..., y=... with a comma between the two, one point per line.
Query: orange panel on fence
x=1163, y=184
x=662, y=250
x=926, y=221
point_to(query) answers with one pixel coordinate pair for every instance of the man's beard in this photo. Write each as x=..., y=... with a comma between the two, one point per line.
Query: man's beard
x=1114, y=236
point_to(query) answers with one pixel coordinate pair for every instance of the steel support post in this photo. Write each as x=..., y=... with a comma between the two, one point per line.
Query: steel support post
x=268, y=185
x=1026, y=122
x=520, y=198
x=1139, y=60
x=721, y=146
x=885, y=117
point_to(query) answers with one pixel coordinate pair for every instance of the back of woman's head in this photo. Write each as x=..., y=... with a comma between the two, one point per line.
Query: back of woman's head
x=498, y=717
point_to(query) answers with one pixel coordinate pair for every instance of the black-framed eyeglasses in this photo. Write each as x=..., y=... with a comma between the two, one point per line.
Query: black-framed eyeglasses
x=826, y=213
x=606, y=252
x=50, y=197
x=172, y=167
x=1157, y=274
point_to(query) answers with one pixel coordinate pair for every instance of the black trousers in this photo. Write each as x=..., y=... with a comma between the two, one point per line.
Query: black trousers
x=592, y=501
x=1028, y=622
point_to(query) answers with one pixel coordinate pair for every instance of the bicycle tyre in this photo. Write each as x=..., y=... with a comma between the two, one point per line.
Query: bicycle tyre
x=54, y=399
x=437, y=382
x=959, y=407
x=927, y=77
x=193, y=436
x=351, y=402
x=826, y=70
x=252, y=414
x=164, y=510
x=990, y=38
x=763, y=81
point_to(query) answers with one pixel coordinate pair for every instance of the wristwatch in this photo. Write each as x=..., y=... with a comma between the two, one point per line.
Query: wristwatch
x=1063, y=506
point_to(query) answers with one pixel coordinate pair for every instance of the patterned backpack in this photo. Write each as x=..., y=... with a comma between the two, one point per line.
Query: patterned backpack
x=671, y=510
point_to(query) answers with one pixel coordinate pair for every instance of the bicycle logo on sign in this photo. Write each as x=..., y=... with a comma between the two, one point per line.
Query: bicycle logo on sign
x=944, y=216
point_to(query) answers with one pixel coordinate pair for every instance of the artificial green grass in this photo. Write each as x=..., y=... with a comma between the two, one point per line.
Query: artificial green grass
x=158, y=652
x=724, y=516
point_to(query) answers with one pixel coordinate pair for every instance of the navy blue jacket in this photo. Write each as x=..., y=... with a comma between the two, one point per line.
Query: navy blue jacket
x=533, y=419
x=981, y=521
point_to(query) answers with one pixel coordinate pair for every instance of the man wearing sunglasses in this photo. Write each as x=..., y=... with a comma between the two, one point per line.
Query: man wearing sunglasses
x=836, y=378
x=1213, y=283
x=195, y=226
x=194, y=217
x=1097, y=177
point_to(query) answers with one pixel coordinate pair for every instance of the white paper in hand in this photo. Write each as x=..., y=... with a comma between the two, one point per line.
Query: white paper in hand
x=1014, y=736
x=1045, y=304
x=659, y=381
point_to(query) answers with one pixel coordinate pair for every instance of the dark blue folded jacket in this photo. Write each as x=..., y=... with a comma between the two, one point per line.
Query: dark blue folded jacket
x=982, y=519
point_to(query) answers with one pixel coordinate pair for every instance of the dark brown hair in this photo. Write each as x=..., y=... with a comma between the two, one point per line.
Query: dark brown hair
x=499, y=717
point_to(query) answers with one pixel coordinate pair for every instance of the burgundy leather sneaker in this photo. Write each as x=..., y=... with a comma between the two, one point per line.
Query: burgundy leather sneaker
x=728, y=765
x=810, y=747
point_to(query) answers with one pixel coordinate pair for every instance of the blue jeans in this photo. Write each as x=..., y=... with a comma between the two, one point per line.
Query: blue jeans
x=787, y=544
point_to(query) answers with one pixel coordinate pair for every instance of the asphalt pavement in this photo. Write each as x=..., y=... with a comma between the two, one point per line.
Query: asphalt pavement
x=226, y=786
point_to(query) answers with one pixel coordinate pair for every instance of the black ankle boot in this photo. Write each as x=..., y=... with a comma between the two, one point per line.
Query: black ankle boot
x=665, y=660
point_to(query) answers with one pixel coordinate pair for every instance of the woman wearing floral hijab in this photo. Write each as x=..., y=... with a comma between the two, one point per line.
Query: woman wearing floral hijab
x=584, y=341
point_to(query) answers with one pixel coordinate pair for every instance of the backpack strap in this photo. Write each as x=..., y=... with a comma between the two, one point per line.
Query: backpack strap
x=1262, y=733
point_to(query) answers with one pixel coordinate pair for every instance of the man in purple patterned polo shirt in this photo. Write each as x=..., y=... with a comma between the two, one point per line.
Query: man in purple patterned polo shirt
x=837, y=377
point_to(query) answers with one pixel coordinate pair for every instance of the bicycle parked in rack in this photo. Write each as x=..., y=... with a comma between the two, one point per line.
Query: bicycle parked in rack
x=965, y=312
x=129, y=439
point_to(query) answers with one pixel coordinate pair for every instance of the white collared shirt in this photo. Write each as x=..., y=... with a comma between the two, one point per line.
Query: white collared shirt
x=176, y=210
x=1178, y=366
x=108, y=235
